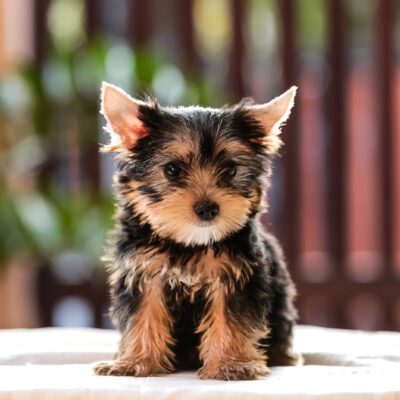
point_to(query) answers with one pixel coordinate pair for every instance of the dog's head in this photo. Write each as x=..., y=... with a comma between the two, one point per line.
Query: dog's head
x=196, y=175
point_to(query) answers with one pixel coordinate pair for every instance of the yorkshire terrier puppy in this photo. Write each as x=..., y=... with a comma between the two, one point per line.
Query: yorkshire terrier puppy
x=195, y=281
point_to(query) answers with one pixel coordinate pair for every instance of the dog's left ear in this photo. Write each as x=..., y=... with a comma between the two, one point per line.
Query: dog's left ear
x=122, y=114
x=272, y=116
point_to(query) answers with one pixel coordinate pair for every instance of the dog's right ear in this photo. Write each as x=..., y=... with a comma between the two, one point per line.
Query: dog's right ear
x=122, y=114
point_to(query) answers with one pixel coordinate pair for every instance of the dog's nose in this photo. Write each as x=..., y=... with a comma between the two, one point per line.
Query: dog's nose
x=206, y=210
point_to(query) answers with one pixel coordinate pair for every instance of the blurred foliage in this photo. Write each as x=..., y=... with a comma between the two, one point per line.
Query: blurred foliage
x=49, y=130
x=213, y=26
x=40, y=226
x=312, y=23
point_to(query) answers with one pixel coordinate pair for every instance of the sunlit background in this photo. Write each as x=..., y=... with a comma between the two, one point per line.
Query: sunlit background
x=336, y=190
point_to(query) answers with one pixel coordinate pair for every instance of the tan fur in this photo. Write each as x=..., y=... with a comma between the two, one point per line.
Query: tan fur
x=231, y=147
x=181, y=146
x=227, y=351
x=145, y=347
x=178, y=207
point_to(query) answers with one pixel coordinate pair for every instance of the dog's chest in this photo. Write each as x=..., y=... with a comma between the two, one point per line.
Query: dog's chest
x=204, y=274
x=199, y=272
x=186, y=277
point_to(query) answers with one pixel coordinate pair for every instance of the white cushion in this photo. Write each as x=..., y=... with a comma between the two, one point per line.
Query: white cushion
x=54, y=363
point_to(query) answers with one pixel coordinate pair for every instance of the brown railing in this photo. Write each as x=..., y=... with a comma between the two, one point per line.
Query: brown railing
x=329, y=292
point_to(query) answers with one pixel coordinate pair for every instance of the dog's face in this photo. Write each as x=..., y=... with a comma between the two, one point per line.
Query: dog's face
x=195, y=175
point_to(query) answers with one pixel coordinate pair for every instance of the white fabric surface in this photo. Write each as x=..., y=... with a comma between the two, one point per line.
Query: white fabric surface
x=54, y=364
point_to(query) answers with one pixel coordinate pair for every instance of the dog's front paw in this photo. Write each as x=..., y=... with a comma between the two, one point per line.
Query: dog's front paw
x=123, y=368
x=115, y=368
x=234, y=371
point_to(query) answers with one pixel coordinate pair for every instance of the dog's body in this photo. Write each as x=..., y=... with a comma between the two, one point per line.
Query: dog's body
x=195, y=282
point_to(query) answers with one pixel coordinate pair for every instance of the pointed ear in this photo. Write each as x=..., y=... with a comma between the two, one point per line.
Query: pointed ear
x=271, y=116
x=122, y=114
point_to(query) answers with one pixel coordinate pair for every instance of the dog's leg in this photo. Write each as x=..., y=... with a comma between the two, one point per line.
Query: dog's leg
x=145, y=347
x=229, y=346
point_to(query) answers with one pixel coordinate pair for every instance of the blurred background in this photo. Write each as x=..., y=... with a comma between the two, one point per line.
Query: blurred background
x=336, y=192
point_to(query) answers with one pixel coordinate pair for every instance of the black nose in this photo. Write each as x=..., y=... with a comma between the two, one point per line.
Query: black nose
x=206, y=210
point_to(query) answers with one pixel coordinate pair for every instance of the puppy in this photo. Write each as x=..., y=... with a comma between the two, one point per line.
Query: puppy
x=195, y=281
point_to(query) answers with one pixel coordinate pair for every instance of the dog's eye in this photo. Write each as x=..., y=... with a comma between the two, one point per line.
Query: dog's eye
x=172, y=170
x=230, y=172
